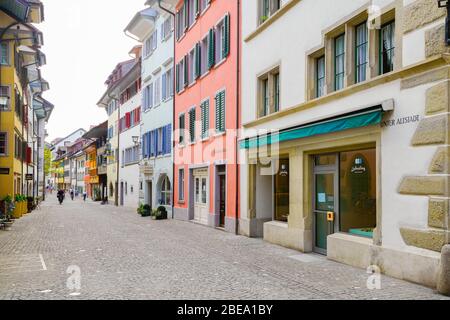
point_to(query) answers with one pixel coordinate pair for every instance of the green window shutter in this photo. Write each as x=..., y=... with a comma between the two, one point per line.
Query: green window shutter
x=186, y=15
x=222, y=111
x=211, y=49
x=205, y=118
x=226, y=38
x=192, y=125
x=197, y=60
x=177, y=82
x=186, y=71
x=197, y=8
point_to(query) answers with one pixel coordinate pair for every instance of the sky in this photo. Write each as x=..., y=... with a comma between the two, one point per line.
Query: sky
x=83, y=42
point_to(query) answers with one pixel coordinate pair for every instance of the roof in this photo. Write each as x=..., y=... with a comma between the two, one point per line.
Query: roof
x=142, y=23
x=97, y=132
x=58, y=140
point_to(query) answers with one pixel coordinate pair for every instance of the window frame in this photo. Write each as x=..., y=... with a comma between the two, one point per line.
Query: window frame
x=5, y=135
x=181, y=181
x=381, y=50
x=358, y=65
x=337, y=56
x=267, y=92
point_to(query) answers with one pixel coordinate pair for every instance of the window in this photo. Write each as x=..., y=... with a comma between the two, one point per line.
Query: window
x=204, y=56
x=276, y=91
x=222, y=39
x=320, y=76
x=357, y=198
x=387, y=47
x=266, y=91
x=181, y=20
x=180, y=76
x=166, y=28
x=204, y=191
x=281, y=191
x=151, y=44
x=192, y=125
x=220, y=112
x=166, y=193
x=130, y=155
x=269, y=93
x=204, y=107
x=268, y=8
x=167, y=85
x=191, y=11
x=157, y=91
x=182, y=128
x=4, y=53
x=361, y=52
x=3, y=144
x=4, y=92
x=181, y=185
x=191, y=67
x=204, y=5
x=339, y=62
x=148, y=97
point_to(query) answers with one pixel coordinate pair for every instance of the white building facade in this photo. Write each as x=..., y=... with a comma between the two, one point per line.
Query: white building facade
x=153, y=27
x=345, y=131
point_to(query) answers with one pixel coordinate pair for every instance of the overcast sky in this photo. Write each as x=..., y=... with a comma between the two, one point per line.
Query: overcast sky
x=83, y=41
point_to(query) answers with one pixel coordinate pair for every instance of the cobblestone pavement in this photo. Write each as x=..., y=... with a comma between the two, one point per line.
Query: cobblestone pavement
x=121, y=255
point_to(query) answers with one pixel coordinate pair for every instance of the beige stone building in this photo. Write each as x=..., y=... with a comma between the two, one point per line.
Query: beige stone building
x=346, y=132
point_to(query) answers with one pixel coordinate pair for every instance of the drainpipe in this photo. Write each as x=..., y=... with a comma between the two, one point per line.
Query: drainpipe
x=116, y=200
x=238, y=85
x=173, y=107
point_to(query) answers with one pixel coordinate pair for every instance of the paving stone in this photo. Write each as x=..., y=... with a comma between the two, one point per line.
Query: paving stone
x=121, y=255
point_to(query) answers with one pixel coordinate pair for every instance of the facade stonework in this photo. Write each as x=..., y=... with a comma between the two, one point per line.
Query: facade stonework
x=420, y=13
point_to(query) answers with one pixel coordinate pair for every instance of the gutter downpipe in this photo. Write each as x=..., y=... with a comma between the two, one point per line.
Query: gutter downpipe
x=238, y=84
x=116, y=198
x=173, y=107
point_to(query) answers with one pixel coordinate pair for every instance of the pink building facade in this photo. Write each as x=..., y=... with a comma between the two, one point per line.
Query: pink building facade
x=207, y=112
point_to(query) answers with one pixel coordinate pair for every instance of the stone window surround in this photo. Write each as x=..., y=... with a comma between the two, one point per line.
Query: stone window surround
x=348, y=26
x=267, y=75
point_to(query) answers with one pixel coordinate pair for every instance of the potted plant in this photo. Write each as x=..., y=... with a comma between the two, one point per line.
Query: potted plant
x=140, y=209
x=17, y=208
x=160, y=213
x=30, y=204
x=147, y=211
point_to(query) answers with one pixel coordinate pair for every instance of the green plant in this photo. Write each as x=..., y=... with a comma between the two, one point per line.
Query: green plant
x=7, y=199
x=264, y=18
x=160, y=213
x=147, y=211
x=140, y=209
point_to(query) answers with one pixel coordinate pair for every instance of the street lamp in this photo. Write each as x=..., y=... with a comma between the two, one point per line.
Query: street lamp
x=135, y=140
x=446, y=4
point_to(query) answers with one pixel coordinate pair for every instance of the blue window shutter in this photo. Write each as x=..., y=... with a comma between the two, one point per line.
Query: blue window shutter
x=169, y=139
x=149, y=142
x=164, y=93
x=143, y=146
x=163, y=146
x=156, y=143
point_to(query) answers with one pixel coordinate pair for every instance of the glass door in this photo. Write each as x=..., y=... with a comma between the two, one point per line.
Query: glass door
x=325, y=204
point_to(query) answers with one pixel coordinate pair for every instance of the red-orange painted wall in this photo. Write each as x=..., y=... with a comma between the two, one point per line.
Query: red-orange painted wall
x=222, y=76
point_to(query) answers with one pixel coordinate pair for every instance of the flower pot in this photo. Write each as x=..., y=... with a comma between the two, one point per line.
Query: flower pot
x=17, y=212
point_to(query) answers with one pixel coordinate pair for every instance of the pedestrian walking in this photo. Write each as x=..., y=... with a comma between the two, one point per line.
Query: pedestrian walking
x=84, y=196
x=72, y=194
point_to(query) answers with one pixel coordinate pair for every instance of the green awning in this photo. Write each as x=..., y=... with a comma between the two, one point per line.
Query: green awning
x=341, y=123
x=18, y=9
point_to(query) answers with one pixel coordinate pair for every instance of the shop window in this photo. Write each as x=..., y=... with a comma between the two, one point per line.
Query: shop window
x=357, y=186
x=281, y=191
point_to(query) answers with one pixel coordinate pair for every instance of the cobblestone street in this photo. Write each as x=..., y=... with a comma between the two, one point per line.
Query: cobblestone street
x=124, y=256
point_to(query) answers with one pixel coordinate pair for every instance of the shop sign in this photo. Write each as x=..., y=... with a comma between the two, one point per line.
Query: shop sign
x=359, y=167
x=29, y=177
x=400, y=121
x=4, y=171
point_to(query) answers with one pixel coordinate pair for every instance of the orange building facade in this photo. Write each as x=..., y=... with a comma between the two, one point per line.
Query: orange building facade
x=206, y=112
